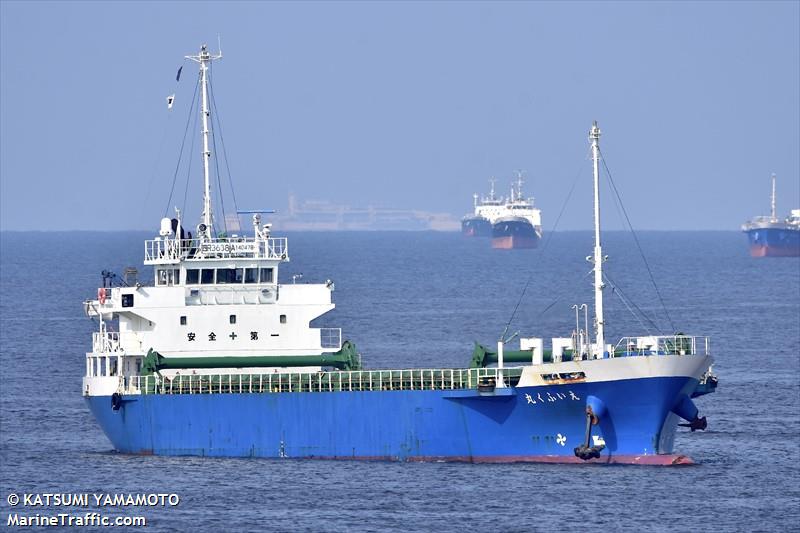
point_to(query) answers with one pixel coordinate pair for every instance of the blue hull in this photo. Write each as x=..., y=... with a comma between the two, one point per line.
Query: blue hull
x=543, y=423
x=476, y=227
x=774, y=242
x=516, y=233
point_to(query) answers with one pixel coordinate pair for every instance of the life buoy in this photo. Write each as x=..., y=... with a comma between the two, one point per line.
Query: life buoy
x=101, y=295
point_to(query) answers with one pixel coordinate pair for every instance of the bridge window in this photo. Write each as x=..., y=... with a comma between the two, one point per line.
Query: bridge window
x=229, y=275
x=168, y=276
x=251, y=275
x=127, y=300
x=207, y=276
x=192, y=276
x=266, y=275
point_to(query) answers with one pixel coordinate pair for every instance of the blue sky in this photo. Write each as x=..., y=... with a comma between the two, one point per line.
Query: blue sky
x=402, y=104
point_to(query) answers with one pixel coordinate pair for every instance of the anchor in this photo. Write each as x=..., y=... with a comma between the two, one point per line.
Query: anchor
x=698, y=422
x=595, y=408
x=584, y=451
x=116, y=401
x=686, y=409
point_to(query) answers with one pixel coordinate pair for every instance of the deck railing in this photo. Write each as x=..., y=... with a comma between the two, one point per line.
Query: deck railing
x=113, y=341
x=349, y=381
x=106, y=342
x=662, y=345
x=164, y=251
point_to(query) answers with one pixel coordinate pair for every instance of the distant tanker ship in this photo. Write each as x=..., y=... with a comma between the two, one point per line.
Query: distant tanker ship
x=771, y=237
x=511, y=223
x=520, y=226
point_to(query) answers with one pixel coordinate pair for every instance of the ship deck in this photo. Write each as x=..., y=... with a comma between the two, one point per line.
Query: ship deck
x=321, y=381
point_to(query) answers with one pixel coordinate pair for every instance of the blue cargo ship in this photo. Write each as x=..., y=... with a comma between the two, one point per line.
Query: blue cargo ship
x=770, y=236
x=476, y=226
x=520, y=223
x=218, y=358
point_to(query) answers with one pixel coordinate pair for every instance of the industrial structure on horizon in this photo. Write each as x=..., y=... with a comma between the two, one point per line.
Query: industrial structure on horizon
x=322, y=215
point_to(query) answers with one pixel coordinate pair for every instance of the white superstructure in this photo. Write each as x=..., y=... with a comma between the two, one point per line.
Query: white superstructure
x=489, y=207
x=212, y=296
x=791, y=222
x=494, y=208
x=518, y=206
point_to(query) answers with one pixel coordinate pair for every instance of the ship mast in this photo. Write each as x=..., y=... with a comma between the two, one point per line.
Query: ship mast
x=205, y=58
x=594, y=138
x=773, y=198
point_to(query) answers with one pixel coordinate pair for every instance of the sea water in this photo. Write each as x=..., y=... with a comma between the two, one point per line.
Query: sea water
x=419, y=299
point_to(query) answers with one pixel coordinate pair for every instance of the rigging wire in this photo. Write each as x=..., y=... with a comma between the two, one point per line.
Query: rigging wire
x=160, y=151
x=616, y=289
x=219, y=183
x=546, y=243
x=218, y=118
x=636, y=239
x=183, y=144
x=560, y=296
x=189, y=170
x=155, y=168
x=214, y=149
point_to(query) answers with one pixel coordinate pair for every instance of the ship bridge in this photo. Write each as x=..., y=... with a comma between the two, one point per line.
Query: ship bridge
x=172, y=251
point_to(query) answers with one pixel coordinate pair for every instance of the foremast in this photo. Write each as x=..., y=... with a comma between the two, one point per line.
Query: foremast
x=773, y=218
x=518, y=196
x=594, y=139
x=205, y=58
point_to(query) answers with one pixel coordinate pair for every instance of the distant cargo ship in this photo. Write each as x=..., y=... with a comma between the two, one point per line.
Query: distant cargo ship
x=771, y=237
x=520, y=224
x=511, y=222
x=486, y=210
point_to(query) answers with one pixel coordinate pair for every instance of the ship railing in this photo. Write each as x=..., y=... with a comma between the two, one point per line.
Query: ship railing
x=161, y=251
x=330, y=338
x=337, y=381
x=106, y=342
x=662, y=345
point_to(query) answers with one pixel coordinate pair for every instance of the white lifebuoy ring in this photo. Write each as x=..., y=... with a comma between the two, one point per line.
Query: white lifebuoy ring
x=101, y=295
